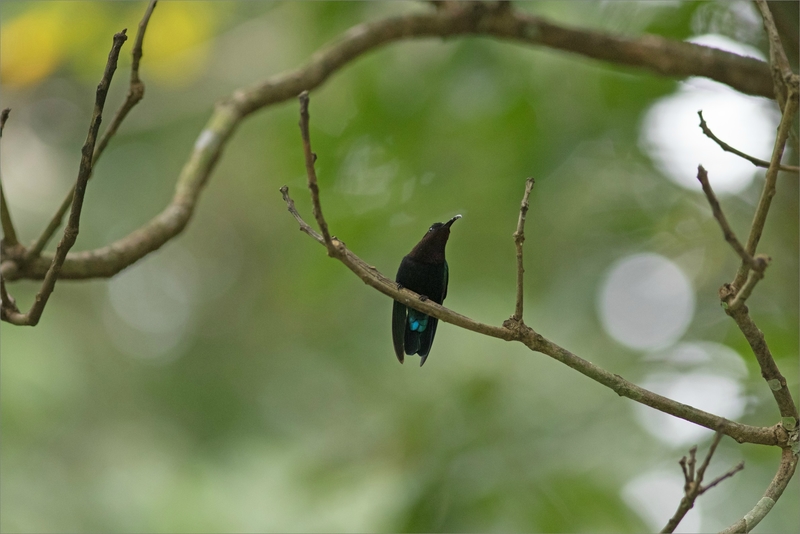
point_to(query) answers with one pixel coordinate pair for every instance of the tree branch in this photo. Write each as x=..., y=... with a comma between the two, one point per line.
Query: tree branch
x=653, y=53
x=693, y=485
x=519, y=239
x=760, y=217
x=730, y=236
x=9, y=232
x=311, y=158
x=73, y=223
x=135, y=94
x=782, y=75
x=771, y=495
x=769, y=369
x=728, y=148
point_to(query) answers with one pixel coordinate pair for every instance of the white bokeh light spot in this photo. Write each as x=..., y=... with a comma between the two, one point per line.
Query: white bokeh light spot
x=646, y=302
x=713, y=393
x=703, y=374
x=671, y=136
x=654, y=495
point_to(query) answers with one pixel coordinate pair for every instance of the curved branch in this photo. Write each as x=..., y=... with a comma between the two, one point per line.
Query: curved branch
x=771, y=495
x=656, y=54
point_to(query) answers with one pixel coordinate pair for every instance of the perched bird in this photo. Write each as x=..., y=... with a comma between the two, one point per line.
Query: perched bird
x=424, y=271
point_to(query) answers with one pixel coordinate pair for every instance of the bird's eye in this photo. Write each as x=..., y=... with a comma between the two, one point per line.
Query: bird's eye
x=430, y=229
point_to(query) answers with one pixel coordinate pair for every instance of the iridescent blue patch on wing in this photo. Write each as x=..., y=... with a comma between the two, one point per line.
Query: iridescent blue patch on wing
x=417, y=322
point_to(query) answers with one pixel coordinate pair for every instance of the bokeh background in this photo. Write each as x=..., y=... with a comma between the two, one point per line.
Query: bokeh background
x=239, y=380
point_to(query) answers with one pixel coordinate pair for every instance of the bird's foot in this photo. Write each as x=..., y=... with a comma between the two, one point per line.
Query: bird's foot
x=400, y=286
x=423, y=298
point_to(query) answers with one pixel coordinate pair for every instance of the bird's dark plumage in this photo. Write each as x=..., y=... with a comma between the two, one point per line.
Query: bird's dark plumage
x=424, y=270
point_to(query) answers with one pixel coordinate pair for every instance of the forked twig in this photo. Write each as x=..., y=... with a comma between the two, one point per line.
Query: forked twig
x=73, y=223
x=311, y=158
x=135, y=94
x=693, y=487
x=716, y=209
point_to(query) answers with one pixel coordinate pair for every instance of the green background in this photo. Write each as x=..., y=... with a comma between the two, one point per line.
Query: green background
x=274, y=400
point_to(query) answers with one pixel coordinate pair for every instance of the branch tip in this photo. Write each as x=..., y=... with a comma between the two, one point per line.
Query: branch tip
x=728, y=148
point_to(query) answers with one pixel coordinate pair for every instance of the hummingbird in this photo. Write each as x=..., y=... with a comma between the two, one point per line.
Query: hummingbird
x=424, y=270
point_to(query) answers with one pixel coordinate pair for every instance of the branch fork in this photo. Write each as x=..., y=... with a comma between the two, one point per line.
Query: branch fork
x=693, y=487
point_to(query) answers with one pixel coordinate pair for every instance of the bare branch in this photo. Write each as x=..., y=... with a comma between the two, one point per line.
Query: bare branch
x=135, y=94
x=771, y=495
x=779, y=64
x=73, y=223
x=311, y=158
x=760, y=217
x=650, y=52
x=519, y=239
x=728, y=474
x=761, y=262
x=769, y=369
x=9, y=232
x=693, y=486
x=728, y=148
x=730, y=237
x=136, y=89
x=303, y=226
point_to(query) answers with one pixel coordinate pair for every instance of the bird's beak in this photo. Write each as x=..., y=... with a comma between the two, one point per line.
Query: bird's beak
x=451, y=221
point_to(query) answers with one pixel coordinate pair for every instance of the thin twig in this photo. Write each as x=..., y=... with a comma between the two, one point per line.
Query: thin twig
x=779, y=63
x=764, y=202
x=303, y=226
x=711, y=450
x=732, y=471
x=728, y=148
x=136, y=88
x=9, y=233
x=693, y=487
x=730, y=236
x=73, y=223
x=135, y=94
x=310, y=158
x=519, y=239
x=692, y=462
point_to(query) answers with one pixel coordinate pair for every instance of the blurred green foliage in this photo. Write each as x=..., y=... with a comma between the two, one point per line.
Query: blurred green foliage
x=239, y=380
